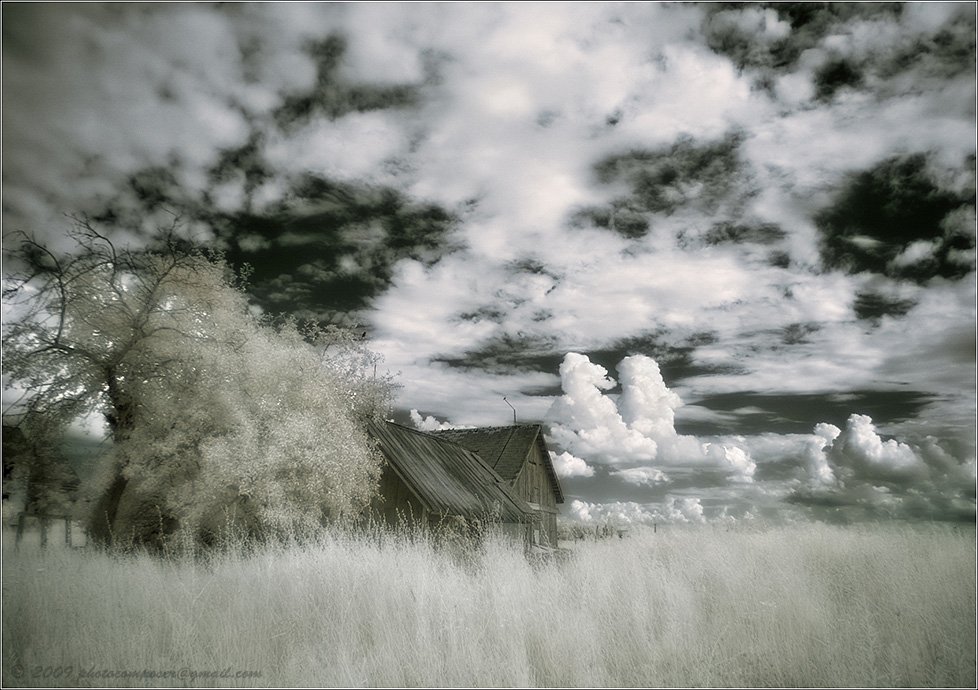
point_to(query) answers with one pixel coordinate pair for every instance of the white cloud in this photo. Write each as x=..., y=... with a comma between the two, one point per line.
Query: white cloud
x=827, y=432
x=385, y=50
x=942, y=335
x=916, y=252
x=734, y=459
x=618, y=512
x=625, y=513
x=804, y=454
x=857, y=471
x=429, y=423
x=861, y=448
x=762, y=24
x=103, y=91
x=647, y=476
x=477, y=134
x=646, y=404
x=588, y=423
x=353, y=147
x=683, y=510
x=567, y=465
x=857, y=467
x=523, y=99
x=819, y=468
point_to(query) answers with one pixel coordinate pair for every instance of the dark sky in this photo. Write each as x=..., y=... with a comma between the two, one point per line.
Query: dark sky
x=726, y=252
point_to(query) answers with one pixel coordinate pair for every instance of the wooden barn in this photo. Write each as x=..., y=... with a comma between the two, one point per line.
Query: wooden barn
x=429, y=479
x=520, y=456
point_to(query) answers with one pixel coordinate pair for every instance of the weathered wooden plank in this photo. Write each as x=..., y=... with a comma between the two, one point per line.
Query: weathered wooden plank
x=506, y=449
x=447, y=477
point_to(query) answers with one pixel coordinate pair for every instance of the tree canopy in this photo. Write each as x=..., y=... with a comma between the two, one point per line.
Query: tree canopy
x=216, y=416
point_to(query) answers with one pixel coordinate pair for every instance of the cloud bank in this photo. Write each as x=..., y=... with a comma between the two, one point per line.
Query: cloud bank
x=773, y=205
x=857, y=467
x=836, y=472
x=639, y=427
x=673, y=511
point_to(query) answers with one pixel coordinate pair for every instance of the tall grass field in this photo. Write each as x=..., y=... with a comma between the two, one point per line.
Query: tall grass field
x=808, y=605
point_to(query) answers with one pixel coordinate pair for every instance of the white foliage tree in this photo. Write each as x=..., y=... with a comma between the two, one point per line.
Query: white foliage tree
x=211, y=412
x=293, y=455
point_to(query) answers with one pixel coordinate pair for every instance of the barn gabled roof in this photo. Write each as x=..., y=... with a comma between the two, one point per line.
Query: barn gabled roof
x=505, y=449
x=447, y=477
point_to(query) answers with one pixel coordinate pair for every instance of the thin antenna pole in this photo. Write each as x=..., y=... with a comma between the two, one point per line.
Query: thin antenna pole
x=514, y=409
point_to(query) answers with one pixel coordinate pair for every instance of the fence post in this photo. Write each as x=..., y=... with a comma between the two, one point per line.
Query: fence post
x=67, y=530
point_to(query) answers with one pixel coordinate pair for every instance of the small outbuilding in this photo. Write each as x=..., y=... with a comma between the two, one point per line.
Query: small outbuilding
x=428, y=479
x=519, y=455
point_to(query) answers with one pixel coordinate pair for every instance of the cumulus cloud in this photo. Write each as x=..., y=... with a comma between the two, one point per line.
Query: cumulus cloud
x=683, y=510
x=618, y=512
x=646, y=404
x=567, y=465
x=834, y=458
x=587, y=422
x=672, y=510
x=429, y=423
x=855, y=472
x=734, y=459
x=647, y=476
x=861, y=448
x=819, y=467
x=639, y=427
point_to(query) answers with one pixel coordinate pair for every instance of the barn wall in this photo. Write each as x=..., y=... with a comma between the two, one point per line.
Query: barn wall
x=396, y=502
x=398, y=505
x=533, y=485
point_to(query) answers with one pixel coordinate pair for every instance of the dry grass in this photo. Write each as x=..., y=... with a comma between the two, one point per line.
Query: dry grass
x=809, y=605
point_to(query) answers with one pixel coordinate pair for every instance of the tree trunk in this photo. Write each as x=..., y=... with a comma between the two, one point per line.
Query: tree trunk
x=20, y=527
x=121, y=419
x=102, y=521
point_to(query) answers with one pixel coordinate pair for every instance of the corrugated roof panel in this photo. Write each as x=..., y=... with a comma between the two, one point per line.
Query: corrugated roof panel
x=447, y=476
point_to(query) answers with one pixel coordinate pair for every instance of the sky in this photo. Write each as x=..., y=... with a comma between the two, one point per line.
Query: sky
x=725, y=253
